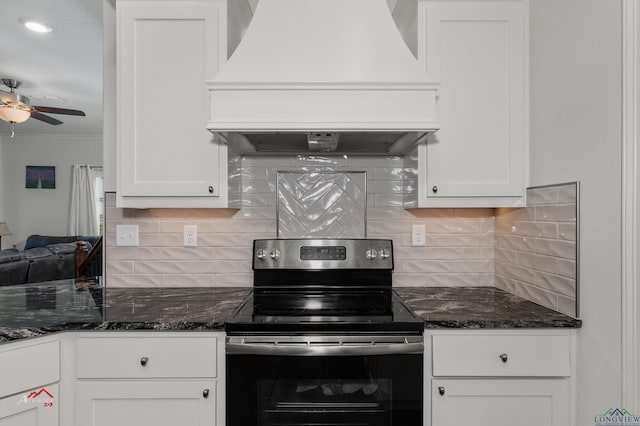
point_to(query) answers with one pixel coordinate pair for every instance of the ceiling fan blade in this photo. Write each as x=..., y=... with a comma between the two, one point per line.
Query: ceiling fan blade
x=45, y=118
x=53, y=110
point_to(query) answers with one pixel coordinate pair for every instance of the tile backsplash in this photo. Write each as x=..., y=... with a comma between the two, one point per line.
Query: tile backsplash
x=459, y=247
x=321, y=204
x=530, y=252
x=536, y=248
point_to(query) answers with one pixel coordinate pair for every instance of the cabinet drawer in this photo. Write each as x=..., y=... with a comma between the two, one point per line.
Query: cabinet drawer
x=27, y=367
x=501, y=355
x=146, y=357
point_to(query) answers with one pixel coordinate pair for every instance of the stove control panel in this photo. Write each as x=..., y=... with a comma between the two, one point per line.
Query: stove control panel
x=323, y=254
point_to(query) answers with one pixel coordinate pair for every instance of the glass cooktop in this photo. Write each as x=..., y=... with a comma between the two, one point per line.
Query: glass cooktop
x=323, y=310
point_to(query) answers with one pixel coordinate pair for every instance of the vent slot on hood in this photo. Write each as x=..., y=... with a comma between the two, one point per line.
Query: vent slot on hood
x=364, y=143
x=354, y=142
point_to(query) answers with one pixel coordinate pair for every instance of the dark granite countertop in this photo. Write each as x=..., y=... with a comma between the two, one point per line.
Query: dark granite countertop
x=39, y=309
x=480, y=307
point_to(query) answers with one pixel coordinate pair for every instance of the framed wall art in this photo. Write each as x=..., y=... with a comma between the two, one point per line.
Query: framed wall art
x=41, y=177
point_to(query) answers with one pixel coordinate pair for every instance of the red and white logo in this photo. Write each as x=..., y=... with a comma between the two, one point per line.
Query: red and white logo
x=43, y=396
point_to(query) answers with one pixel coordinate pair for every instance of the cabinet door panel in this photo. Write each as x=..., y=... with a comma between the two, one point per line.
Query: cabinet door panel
x=167, y=51
x=145, y=403
x=21, y=410
x=477, y=51
x=500, y=402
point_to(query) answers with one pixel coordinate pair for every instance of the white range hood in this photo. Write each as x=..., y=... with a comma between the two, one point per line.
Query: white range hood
x=322, y=66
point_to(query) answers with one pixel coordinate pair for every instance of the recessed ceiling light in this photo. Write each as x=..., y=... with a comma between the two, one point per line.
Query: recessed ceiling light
x=35, y=26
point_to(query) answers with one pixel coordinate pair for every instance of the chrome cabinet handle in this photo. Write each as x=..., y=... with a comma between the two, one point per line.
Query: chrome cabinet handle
x=504, y=357
x=441, y=390
x=144, y=360
x=205, y=393
x=211, y=190
x=435, y=189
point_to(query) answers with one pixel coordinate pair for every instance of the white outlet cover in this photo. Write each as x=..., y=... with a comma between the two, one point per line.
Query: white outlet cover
x=417, y=235
x=127, y=235
x=190, y=236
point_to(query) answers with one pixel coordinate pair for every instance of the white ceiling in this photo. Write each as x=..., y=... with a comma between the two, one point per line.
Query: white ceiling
x=65, y=63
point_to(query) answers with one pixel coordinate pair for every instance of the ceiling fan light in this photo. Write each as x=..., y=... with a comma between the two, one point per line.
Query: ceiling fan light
x=37, y=27
x=12, y=114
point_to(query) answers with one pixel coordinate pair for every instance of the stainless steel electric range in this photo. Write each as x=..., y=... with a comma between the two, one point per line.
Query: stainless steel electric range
x=323, y=339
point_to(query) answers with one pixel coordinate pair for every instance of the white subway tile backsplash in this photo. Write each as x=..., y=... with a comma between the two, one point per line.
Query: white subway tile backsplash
x=401, y=279
x=177, y=226
x=557, y=248
x=528, y=251
x=145, y=281
x=453, y=266
x=258, y=187
x=567, y=194
x=132, y=253
x=241, y=226
x=567, y=305
x=567, y=231
x=383, y=200
x=121, y=266
x=458, y=240
x=536, y=254
x=538, y=262
x=538, y=295
x=160, y=267
x=218, y=266
x=460, y=280
x=234, y=280
x=543, y=195
x=458, y=227
x=160, y=240
x=559, y=213
x=220, y=240
x=555, y=283
x=567, y=268
x=388, y=173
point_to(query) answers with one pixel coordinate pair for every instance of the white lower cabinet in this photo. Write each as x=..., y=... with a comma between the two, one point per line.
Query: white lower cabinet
x=29, y=376
x=499, y=378
x=146, y=403
x=491, y=402
x=32, y=407
x=149, y=379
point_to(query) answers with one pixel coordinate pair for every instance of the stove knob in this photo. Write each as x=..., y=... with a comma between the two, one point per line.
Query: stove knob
x=274, y=254
x=384, y=253
x=372, y=254
x=261, y=254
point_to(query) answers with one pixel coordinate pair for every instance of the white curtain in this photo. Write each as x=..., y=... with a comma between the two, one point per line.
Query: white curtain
x=83, y=217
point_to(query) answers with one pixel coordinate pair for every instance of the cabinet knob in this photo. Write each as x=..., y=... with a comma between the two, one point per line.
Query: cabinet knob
x=434, y=189
x=205, y=393
x=504, y=357
x=441, y=390
x=210, y=189
x=144, y=360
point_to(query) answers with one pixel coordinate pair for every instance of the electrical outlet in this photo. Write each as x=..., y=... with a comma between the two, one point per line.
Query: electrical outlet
x=127, y=235
x=417, y=235
x=190, y=236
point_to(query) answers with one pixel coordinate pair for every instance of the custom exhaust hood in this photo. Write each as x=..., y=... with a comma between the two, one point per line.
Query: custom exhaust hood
x=323, y=75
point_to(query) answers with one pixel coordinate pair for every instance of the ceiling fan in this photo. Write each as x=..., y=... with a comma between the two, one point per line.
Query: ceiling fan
x=16, y=108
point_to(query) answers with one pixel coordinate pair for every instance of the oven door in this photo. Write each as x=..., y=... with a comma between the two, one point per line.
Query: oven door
x=324, y=380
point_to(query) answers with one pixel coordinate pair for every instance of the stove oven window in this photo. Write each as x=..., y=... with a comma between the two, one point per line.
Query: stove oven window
x=372, y=390
x=331, y=401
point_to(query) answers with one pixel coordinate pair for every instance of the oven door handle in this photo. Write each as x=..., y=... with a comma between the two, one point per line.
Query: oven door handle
x=284, y=349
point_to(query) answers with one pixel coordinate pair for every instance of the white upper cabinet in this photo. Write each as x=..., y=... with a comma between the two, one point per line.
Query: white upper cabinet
x=478, y=51
x=166, y=50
